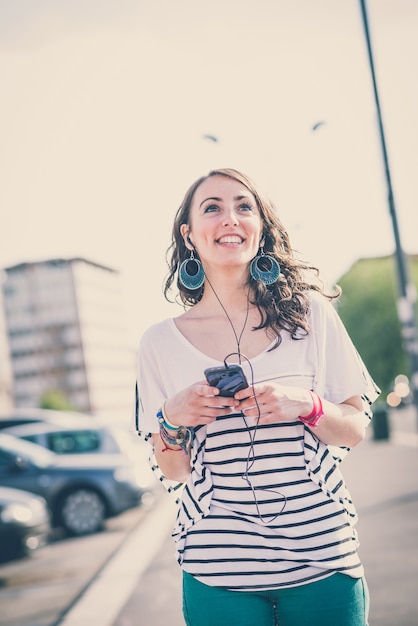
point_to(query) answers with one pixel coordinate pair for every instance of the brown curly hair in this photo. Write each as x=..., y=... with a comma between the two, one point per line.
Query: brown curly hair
x=284, y=305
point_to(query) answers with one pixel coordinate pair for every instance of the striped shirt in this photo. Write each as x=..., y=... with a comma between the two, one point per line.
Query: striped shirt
x=265, y=505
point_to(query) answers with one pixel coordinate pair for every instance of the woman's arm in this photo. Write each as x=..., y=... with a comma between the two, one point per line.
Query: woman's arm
x=342, y=425
x=172, y=460
x=195, y=405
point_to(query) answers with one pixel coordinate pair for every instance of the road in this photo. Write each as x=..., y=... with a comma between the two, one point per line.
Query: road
x=36, y=590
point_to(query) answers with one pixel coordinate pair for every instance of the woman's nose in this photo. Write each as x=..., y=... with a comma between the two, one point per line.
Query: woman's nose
x=230, y=218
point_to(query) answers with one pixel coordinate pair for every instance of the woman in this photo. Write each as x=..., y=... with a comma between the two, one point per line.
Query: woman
x=265, y=532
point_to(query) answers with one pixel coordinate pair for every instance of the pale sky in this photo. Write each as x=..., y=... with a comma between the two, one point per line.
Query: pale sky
x=105, y=105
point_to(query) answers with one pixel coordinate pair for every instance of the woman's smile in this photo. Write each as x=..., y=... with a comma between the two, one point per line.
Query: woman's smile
x=230, y=240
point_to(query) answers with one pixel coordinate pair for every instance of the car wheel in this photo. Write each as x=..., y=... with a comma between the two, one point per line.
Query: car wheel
x=82, y=512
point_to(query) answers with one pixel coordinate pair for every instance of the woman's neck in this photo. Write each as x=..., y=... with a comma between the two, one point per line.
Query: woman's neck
x=220, y=295
x=229, y=288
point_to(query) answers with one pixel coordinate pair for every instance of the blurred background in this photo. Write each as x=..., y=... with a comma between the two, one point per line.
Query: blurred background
x=110, y=110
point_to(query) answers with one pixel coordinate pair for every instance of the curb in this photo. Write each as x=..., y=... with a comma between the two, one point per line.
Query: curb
x=106, y=596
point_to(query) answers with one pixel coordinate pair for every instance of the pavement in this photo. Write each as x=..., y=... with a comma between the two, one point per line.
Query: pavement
x=141, y=584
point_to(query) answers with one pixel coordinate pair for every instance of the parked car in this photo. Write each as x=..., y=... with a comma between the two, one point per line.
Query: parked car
x=89, y=436
x=85, y=438
x=81, y=490
x=15, y=417
x=24, y=523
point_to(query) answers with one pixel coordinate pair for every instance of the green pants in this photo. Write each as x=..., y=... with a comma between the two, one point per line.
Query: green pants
x=334, y=601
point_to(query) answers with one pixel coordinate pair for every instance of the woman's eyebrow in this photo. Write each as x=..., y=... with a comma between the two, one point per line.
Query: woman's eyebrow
x=206, y=199
x=237, y=199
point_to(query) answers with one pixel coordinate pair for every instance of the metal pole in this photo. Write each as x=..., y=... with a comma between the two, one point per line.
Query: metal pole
x=407, y=291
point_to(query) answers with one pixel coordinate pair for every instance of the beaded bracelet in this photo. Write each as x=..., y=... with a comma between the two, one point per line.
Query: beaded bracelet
x=315, y=416
x=162, y=418
x=167, y=421
x=165, y=448
x=174, y=435
x=182, y=437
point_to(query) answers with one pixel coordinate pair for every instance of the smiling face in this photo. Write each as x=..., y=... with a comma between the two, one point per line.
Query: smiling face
x=224, y=226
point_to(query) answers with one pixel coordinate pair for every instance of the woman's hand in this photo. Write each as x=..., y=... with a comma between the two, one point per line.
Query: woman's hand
x=198, y=404
x=274, y=402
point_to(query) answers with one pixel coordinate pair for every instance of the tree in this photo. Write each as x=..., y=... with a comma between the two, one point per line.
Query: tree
x=55, y=400
x=368, y=309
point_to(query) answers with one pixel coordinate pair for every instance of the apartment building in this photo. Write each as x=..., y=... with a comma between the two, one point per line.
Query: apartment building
x=66, y=328
x=6, y=400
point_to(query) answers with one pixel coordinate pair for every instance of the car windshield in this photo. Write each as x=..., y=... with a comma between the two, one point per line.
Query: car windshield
x=37, y=454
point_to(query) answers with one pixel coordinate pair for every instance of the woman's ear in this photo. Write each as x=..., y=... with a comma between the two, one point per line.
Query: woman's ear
x=185, y=233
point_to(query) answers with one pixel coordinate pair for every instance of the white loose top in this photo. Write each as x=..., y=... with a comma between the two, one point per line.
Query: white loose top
x=265, y=506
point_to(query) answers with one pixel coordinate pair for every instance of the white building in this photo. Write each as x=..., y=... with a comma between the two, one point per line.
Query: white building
x=6, y=400
x=65, y=321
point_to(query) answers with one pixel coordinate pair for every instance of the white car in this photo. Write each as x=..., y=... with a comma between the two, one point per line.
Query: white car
x=87, y=435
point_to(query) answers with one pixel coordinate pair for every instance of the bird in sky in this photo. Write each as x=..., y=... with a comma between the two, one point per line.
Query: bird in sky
x=317, y=125
x=211, y=138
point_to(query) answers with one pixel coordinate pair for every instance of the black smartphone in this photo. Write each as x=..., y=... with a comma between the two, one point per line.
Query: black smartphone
x=228, y=380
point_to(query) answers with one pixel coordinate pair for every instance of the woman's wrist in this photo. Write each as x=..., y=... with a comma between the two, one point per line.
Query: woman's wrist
x=165, y=446
x=173, y=437
x=317, y=413
x=181, y=438
x=307, y=406
x=163, y=419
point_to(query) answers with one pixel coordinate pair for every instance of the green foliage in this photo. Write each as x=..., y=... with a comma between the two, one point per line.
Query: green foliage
x=55, y=400
x=368, y=310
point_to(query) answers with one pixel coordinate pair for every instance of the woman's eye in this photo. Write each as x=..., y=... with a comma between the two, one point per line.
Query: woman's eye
x=243, y=207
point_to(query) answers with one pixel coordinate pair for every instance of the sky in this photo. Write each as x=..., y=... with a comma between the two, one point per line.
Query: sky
x=107, y=108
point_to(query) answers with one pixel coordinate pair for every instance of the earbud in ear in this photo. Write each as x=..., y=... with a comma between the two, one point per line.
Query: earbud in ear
x=190, y=242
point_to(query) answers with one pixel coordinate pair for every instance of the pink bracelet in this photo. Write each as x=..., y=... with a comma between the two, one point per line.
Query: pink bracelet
x=317, y=413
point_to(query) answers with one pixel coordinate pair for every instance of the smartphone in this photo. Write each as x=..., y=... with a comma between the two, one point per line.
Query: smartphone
x=228, y=380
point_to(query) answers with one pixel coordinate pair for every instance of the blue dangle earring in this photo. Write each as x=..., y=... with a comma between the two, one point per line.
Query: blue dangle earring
x=191, y=273
x=265, y=268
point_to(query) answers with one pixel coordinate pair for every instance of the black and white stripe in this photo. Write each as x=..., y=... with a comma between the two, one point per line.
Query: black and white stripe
x=300, y=529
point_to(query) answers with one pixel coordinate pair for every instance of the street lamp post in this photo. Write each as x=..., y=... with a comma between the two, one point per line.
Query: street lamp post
x=407, y=292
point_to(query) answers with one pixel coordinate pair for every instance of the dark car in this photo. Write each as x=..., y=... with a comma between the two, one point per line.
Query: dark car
x=24, y=523
x=81, y=490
